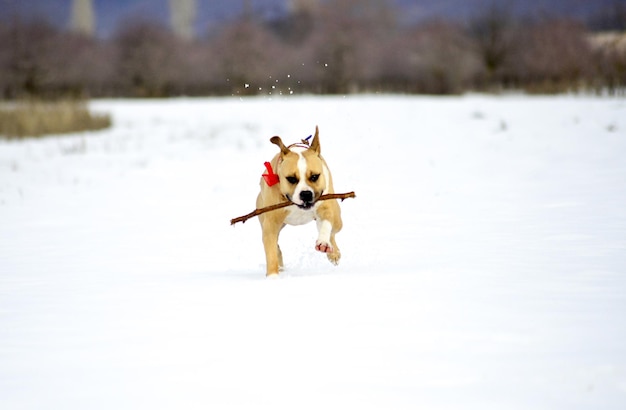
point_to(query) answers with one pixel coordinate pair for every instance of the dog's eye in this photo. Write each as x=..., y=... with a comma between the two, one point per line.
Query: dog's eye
x=292, y=180
x=314, y=177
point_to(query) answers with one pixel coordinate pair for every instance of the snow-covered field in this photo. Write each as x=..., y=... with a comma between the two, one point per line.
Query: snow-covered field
x=484, y=259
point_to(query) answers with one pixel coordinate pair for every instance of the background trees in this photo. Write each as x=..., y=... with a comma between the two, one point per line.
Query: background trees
x=496, y=37
x=556, y=56
x=339, y=46
x=149, y=60
x=29, y=64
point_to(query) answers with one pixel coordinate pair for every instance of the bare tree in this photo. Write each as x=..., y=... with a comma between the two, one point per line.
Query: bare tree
x=435, y=58
x=6, y=74
x=28, y=54
x=609, y=50
x=149, y=58
x=494, y=33
x=342, y=41
x=245, y=53
x=82, y=66
x=556, y=57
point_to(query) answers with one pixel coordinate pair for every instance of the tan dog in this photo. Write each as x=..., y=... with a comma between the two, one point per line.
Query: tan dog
x=303, y=177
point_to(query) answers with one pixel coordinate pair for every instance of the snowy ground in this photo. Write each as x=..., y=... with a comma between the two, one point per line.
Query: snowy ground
x=484, y=259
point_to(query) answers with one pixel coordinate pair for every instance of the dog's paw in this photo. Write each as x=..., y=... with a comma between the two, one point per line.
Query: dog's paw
x=331, y=252
x=334, y=257
x=324, y=247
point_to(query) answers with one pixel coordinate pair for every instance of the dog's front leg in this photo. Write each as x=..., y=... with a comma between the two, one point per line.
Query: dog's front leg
x=328, y=224
x=324, y=229
x=326, y=241
x=272, y=253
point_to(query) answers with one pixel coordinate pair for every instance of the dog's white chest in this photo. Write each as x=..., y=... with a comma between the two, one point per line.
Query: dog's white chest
x=297, y=216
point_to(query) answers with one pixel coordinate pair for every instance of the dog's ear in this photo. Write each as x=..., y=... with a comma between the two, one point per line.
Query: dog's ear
x=315, y=144
x=277, y=141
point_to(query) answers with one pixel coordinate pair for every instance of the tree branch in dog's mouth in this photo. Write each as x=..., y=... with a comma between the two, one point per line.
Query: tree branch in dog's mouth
x=305, y=205
x=260, y=211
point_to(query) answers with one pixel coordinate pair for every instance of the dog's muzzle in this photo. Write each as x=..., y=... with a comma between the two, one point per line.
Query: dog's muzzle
x=307, y=200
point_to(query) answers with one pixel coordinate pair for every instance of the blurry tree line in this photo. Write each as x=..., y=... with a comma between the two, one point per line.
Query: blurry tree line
x=343, y=46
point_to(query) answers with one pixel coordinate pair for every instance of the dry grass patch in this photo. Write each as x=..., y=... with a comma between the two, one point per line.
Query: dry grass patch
x=38, y=118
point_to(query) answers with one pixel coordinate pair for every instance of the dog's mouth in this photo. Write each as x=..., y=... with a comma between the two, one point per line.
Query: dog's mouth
x=305, y=205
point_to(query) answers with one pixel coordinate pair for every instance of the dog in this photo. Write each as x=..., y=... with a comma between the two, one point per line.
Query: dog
x=301, y=177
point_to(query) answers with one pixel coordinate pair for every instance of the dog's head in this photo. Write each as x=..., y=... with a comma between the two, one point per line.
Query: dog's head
x=302, y=173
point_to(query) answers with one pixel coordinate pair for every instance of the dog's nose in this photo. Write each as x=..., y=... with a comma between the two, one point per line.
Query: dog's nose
x=306, y=196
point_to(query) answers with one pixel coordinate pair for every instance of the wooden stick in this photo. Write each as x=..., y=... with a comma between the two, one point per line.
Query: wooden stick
x=260, y=211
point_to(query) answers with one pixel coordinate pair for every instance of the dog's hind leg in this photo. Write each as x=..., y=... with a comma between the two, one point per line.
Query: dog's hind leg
x=273, y=254
x=280, y=253
x=272, y=257
x=280, y=259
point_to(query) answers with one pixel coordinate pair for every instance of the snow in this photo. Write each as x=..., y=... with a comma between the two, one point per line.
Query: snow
x=483, y=260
